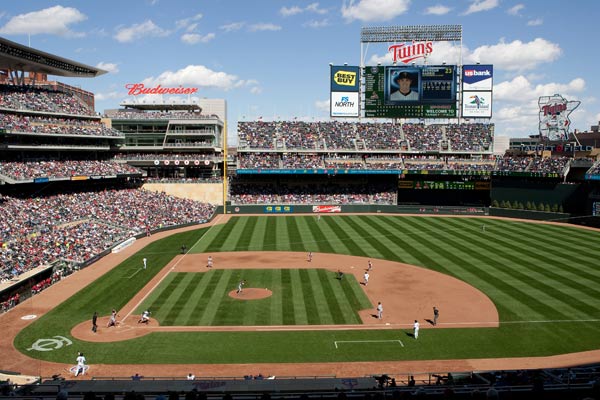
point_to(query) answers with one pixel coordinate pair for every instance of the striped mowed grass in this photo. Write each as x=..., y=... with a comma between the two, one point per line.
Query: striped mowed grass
x=544, y=280
x=299, y=297
x=532, y=272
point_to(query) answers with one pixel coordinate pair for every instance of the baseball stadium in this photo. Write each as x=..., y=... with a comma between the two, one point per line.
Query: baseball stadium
x=348, y=258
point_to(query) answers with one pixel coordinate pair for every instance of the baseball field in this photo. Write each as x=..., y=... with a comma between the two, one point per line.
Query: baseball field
x=542, y=280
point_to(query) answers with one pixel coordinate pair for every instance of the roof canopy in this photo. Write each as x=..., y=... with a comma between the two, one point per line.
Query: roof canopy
x=17, y=57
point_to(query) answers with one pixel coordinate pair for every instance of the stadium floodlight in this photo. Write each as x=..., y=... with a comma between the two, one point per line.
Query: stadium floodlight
x=435, y=33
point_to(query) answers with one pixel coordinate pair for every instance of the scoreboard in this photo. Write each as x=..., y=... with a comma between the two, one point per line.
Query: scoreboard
x=439, y=185
x=433, y=91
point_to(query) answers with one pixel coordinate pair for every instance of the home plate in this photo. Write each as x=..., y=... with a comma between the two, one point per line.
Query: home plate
x=387, y=323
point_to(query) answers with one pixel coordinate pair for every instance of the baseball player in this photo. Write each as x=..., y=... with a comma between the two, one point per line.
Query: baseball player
x=309, y=256
x=241, y=286
x=112, y=321
x=370, y=266
x=145, y=318
x=416, y=329
x=436, y=314
x=145, y=260
x=209, y=262
x=80, y=364
x=366, y=278
x=379, y=310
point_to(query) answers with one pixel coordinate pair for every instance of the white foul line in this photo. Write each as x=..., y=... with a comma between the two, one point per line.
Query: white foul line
x=164, y=276
x=366, y=341
x=134, y=274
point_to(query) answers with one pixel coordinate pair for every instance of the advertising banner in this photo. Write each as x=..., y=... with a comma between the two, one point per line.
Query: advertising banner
x=278, y=209
x=477, y=77
x=477, y=104
x=327, y=209
x=344, y=104
x=345, y=78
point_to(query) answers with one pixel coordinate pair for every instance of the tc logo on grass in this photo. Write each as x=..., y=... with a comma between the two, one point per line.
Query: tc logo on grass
x=50, y=344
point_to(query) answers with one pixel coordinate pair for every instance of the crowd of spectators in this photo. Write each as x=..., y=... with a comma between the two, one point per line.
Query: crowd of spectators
x=166, y=156
x=336, y=135
x=400, y=161
x=38, y=99
x=469, y=137
x=423, y=137
x=313, y=194
x=549, y=164
x=56, y=126
x=146, y=115
x=295, y=160
x=63, y=169
x=258, y=160
x=36, y=231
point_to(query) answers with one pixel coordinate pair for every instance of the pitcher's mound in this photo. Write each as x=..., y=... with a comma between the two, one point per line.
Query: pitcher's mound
x=251, y=294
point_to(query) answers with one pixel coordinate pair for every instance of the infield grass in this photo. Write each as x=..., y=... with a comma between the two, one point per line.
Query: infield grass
x=543, y=279
x=300, y=297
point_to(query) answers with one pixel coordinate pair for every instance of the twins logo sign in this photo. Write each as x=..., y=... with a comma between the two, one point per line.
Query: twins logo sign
x=554, y=116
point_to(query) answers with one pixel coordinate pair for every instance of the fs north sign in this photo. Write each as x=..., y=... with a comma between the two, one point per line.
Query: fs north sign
x=344, y=104
x=407, y=52
x=345, y=78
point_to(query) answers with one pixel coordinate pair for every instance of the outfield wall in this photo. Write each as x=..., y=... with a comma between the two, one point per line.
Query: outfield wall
x=354, y=209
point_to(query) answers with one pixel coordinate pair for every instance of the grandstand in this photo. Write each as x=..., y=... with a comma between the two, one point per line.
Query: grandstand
x=68, y=193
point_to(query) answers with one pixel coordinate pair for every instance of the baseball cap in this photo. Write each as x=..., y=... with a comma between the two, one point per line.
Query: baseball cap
x=403, y=75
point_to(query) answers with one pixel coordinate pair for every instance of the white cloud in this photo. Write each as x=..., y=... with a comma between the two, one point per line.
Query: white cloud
x=322, y=105
x=373, y=10
x=521, y=90
x=516, y=10
x=437, y=10
x=481, y=5
x=314, y=7
x=516, y=105
x=193, y=38
x=317, y=24
x=49, y=21
x=295, y=10
x=235, y=26
x=535, y=22
x=138, y=31
x=516, y=55
x=199, y=76
x=109, y=95
x=256, y=90
x=289, y=11
x=264, y=27
x=186, y=22
x=109, y=67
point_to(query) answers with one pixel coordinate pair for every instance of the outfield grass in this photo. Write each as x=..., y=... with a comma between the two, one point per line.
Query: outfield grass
x=300, y=297
x=543, y=279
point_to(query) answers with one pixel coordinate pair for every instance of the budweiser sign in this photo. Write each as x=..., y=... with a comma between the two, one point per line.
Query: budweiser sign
x=408, y=52
x=135, y=89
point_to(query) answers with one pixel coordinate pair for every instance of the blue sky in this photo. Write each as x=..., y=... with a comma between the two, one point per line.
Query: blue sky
x=270, y=58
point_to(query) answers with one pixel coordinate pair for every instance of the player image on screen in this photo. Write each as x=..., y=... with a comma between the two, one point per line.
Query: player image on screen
x=403, y=85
